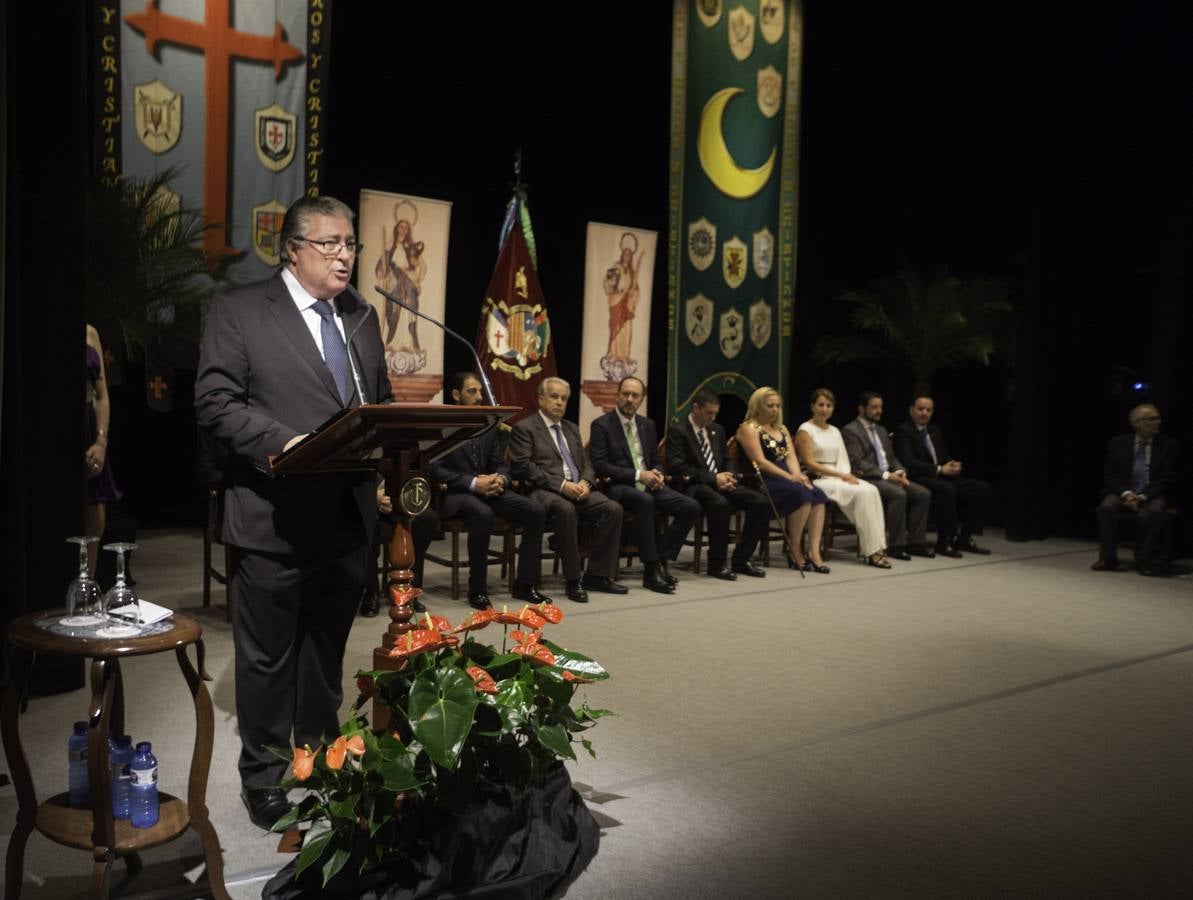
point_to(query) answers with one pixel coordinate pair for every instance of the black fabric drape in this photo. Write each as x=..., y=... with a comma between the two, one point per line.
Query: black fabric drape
x=41, y=440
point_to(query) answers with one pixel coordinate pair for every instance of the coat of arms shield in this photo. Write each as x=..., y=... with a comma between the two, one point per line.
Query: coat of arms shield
x=741, y=33
x=698, y=318
x=276, y=132
x=770, y=20
x=770, y=91
x=702, y=243
x=760, y=323
x=764, y=252
x=732, y=333
x=157, y=113
x=733, y=261
x=267, y=230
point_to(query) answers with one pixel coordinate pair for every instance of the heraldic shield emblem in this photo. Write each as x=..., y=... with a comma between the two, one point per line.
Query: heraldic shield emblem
x=157, y=113
x=267, y=230
x=709, y=12
x=741, y=32
x=770, y=91
x=760, y=323
x=732, y=333
x=698, y=319
x=733, y=261
x=764, y=252
x=276, y=132
x=702, y=243
x=518, y=337
x=770, y=20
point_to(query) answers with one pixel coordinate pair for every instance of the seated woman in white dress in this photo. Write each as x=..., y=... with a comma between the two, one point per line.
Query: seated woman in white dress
x=821, y=449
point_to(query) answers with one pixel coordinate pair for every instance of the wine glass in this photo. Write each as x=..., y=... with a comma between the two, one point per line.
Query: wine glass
x=121, y=606
x=82, y=594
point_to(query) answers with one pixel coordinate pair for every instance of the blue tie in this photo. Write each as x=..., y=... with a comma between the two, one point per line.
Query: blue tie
x=335, y=354
x=879, y=453
x=573, y=473
x=1139, y=469
x=931, y=448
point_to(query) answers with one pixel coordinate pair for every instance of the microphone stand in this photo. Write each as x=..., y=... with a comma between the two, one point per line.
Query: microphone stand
x=480, y=370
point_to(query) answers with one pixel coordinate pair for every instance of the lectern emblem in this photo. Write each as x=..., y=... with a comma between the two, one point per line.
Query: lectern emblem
x=416, y=496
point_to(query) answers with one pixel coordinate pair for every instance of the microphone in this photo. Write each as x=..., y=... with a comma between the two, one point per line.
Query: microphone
x=488, y=388
x=360, y=391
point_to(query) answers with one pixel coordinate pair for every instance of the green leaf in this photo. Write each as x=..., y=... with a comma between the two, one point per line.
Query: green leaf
x=587, y=745
x=313, y=845
x=442, y=705
x=399, y=774
x=576, y=663
x=587, y=712
x=344, y=807
x=555, y=738
x=334, y=864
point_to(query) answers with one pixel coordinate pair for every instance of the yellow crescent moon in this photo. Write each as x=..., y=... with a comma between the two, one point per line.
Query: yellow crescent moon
x=715, y=159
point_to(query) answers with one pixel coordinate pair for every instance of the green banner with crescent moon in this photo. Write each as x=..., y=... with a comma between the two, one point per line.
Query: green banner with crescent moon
x=735, y=73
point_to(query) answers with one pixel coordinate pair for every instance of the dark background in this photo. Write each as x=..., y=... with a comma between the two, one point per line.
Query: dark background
x=1048, y=143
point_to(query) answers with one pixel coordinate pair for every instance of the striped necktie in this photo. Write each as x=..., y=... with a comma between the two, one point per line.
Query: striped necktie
x=706, y=449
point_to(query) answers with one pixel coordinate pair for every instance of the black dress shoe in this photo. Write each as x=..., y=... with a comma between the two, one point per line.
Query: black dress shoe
x=947, y=550
x=654, y=580
x=1105, y=565
x=899, y=554
x=418, y=606
x=921, y=550
x=479, y=600
x=723, y=572
x=749, y=568
x=529, y=593
x=575, y=592
x=370, y=603
x=604, y=584
x=668, y=577
x=969, y=546
x=265, y=805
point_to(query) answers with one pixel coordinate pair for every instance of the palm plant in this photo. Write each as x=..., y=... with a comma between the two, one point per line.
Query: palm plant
x=148, y=275
x=923, y=324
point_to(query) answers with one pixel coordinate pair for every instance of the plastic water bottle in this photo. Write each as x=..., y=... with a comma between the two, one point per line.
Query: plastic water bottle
x=119, y=760
x=142, y=797
x=78, y=787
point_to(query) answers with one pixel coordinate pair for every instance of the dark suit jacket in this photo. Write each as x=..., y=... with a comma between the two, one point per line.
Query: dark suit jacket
x=611, y=457
x=261, y=382
x=684, y=459
x=1120, y=460
x=909, y=445
x=862, y=457
x=535, y=461
x=484, y=455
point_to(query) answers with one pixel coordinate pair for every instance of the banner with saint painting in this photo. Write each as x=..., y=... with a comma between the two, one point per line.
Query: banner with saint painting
x=735, y=90
x=405, y=254
x=618, y=274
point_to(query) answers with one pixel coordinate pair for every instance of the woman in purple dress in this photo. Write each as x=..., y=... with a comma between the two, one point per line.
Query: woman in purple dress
x=101, y=485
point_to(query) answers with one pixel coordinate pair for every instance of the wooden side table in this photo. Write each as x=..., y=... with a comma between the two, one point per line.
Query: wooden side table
x=95, y=829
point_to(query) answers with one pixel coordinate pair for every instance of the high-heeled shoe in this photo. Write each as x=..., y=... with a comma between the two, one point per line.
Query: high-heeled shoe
x=821, y=569
x=793, y=564
x=878, y=561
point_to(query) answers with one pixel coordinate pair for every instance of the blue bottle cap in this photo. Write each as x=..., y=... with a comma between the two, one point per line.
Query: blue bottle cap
x=80, y=726
x=144, y=747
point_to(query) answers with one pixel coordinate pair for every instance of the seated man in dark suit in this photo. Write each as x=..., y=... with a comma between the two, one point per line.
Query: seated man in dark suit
x=477, y=477
x=960, y=502
x=696, y=451
x=904, y=503
x=622, y=446
x=1139, y=475
x=547, y=455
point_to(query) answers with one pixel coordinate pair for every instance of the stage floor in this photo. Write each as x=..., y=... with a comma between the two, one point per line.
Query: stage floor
x=1005, y=725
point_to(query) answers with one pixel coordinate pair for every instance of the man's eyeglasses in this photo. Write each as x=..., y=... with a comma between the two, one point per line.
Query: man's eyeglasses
x=331, y=248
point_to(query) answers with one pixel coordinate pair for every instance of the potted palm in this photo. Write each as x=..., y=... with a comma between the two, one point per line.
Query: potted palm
x=922, y=323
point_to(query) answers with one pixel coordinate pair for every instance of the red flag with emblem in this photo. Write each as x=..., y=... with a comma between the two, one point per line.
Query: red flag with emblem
x=513, y=338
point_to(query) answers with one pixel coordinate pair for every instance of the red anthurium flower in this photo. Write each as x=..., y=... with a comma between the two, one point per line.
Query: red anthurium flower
x=478, y=619
x=526, y=637
x=335, y=753
x=550, y=612
x=432, y=623
x=527, y=616
x=304, y=762
x=355, y=745
x=484, y=681
x=399, y=596
x=420, y=641
x=536, y=653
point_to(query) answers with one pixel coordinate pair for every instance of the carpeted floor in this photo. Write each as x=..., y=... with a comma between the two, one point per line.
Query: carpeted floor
x=1011, y=725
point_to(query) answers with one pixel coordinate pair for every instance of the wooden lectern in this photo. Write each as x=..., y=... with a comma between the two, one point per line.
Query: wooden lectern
x=398, y=441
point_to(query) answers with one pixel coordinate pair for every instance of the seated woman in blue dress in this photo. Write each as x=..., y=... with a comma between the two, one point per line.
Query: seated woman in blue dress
x=769, y=445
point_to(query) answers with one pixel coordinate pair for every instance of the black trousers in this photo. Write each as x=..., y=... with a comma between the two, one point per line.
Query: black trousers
x=717, y=506
x=960, y=505
x=564, y=517
x=644, y=505
x=1150, y=521
x=293, y=614
x=479, y=513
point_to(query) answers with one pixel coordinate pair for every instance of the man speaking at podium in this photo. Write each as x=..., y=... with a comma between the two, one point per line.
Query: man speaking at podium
x=278, y=358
